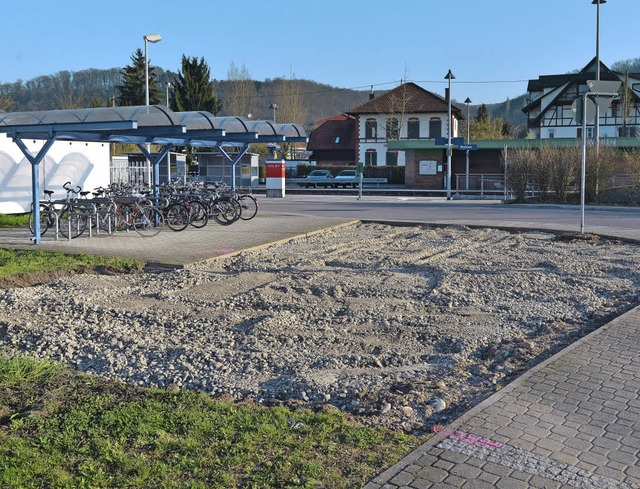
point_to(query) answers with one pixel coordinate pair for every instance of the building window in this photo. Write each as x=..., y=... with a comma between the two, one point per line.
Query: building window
x=337, y=140
x=435, y=128
x=371, y=157
x=552, y=134
x=628, y=131
x=392, y=158
x=413, y=128
x=392, y=128
x=371, y=129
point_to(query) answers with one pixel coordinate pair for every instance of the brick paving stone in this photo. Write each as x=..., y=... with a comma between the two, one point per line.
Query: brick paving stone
x=630, y=441
x=624, y=458
x=633, y=471
x=550, y=445
x=432, y=474
x=403, y=479
x=455, y=481
x=509, y=432
x=466, y=471
x=575, y=419
x=477, y=484
x=444, y=465
x=512, y=484
x=497, y=469
x=617, y=466
x=607, y=443
x=592, y=430
x=454, y=457
x=578, y=444
x=609, y=473
x=565, y=431
x=421, y=484
x=543, y=483
x=593, y=458
x=489, y=478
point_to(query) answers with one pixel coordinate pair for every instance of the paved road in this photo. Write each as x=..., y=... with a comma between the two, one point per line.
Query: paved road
x=613, y=221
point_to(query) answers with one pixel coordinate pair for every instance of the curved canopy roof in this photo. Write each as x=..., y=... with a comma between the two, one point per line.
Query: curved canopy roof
x=153, y=124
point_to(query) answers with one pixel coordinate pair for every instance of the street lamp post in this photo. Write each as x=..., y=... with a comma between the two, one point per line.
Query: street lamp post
x=147, y=39
x=273, y=107
x=449, y=77
x=596, y=130
x=468, y=101
x=168, y=87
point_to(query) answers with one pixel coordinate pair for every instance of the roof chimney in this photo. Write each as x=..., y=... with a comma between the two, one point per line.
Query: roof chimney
x=446, y=95
x=371, y=94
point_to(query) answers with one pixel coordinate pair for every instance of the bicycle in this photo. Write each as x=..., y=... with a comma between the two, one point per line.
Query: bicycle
x=248, y=203
x=48, y=215
x=145, y=220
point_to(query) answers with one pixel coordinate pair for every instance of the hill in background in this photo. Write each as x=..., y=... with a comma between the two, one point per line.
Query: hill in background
x=97, y=88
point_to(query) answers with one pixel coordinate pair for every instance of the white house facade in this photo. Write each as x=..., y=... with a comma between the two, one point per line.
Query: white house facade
x=406, y=112
x=550, y=98
x=83, y=164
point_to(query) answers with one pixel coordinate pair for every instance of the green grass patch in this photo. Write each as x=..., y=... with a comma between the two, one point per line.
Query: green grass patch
x=18, y=262
x=12, y=220
x=59, y=428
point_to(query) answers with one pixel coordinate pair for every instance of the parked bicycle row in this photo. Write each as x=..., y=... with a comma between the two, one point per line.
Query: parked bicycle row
x=119, y=208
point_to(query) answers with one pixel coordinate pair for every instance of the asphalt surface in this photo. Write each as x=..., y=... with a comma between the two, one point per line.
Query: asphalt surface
x=572, y=421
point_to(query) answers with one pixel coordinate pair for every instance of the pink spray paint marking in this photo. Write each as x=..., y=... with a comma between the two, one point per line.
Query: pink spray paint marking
x=467, y=437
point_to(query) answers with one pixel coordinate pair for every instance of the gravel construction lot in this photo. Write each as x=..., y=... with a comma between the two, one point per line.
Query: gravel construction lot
x=405, y=326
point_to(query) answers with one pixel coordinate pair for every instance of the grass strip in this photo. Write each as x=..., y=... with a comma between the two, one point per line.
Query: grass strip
x=60, y=428
x=12, y=220
x=18, y=262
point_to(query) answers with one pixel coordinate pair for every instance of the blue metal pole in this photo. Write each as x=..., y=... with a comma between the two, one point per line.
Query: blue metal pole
x=35, y=180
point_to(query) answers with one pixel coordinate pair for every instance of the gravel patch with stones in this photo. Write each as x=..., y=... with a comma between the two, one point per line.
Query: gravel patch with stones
x=401, y=326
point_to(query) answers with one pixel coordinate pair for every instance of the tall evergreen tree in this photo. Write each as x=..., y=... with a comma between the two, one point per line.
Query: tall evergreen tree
x=133, y=89
x=194, y=89
x=483, y=114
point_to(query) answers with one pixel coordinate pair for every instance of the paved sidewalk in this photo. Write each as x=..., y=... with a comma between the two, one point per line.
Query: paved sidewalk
x=572, y=421
x=184, y=247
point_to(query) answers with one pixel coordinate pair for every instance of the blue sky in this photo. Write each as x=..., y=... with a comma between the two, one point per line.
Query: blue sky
x=492, y=46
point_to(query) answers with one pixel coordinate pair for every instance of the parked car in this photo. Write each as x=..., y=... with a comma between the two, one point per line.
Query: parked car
x=347, y=178
x=318, y=178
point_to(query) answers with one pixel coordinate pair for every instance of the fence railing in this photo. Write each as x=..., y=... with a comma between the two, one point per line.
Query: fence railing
x=483, y=184
x=133, y=174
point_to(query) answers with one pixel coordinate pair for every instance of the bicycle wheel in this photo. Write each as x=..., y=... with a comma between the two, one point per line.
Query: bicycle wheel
x=46, y=220
x=72, y=222
x=198, y=216
x=148, y=221
x=249, y=206
x=177, y=217
x=227, y=212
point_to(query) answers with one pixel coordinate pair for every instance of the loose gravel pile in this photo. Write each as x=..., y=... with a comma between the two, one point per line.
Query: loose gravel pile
x=400, y=326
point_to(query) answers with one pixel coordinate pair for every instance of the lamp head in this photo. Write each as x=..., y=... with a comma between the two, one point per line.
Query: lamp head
x=449, y=76
x=468, y=101
x=153, y=38
x=597, y=2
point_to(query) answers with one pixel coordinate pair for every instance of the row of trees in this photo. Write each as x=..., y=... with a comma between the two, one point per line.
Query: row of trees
x=192, y=88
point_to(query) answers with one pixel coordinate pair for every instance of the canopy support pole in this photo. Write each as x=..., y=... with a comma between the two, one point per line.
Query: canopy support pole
x=233, y=161
x=35, y=180
x=156, y=164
